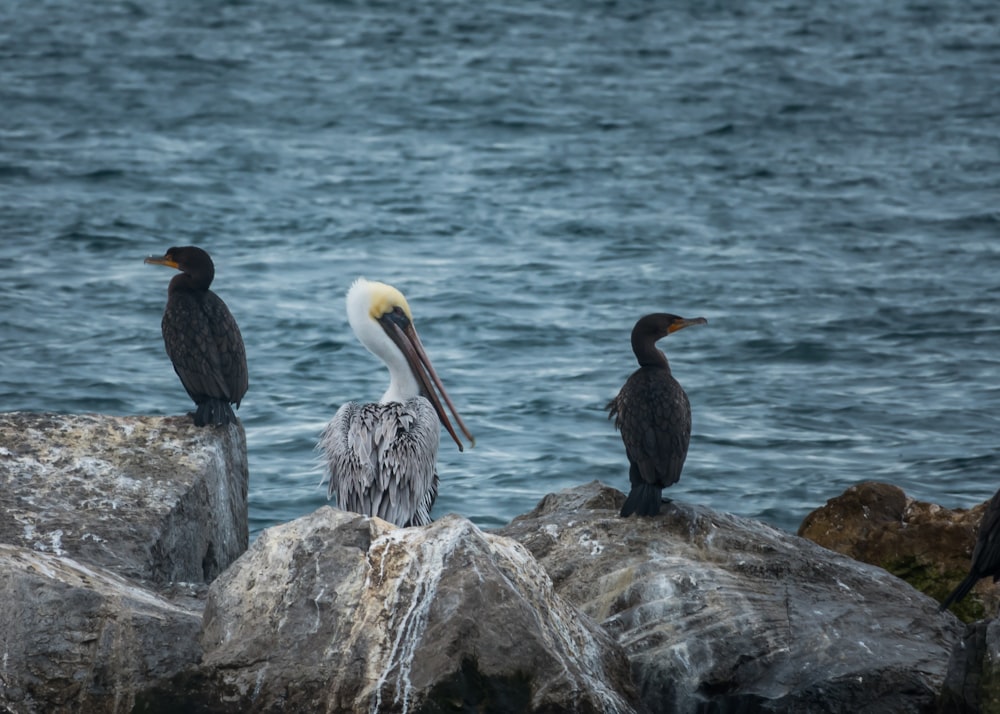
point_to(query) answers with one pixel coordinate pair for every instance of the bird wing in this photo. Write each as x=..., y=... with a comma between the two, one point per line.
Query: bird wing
x=382, y=459
x=986, y=555
x=229, y=344
x=206, y=348
x=654, y=416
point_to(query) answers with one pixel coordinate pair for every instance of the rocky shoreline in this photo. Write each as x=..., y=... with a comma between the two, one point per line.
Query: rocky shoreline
x=127, y=585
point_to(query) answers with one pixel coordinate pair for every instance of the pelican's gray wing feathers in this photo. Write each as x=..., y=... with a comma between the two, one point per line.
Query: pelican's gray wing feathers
x=382, y=459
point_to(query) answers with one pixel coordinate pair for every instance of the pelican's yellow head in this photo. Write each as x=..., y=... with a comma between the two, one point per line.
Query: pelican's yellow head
x=369, y=302
x=383, y=299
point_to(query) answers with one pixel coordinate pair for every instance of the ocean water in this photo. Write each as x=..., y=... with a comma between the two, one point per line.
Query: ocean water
x=821, y=183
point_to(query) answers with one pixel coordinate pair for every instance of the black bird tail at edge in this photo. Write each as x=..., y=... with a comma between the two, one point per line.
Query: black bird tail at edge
x=961, y=591
x=216, y=412
x=643, y=500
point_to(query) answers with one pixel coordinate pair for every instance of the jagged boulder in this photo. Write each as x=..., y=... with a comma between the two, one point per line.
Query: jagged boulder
x=151, y=498
x=80, y=639
x=337, y=612
x=721, y=613
x=928, y=546
x=110, y=528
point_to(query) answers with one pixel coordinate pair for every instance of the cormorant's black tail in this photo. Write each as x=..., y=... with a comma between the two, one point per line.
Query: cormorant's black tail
x=214, y=411
x=644, y=500
x=961, y=591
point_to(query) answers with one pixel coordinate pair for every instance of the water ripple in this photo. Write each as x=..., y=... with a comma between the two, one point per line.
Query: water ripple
x=819, y=185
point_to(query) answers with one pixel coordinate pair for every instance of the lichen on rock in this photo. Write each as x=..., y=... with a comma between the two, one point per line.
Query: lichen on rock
x=926, y=545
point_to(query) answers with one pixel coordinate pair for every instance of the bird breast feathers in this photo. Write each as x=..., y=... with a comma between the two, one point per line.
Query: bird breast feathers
x=384, y=442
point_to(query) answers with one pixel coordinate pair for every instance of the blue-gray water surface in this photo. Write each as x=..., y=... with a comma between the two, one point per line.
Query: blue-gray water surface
x=821, y=183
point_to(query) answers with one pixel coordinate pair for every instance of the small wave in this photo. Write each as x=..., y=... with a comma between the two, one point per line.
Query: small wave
x=101, y=175
x=14, y=171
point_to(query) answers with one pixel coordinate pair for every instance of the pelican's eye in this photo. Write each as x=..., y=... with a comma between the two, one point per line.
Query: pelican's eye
x=398, y=316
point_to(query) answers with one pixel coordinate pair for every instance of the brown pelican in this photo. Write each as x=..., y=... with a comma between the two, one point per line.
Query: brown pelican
x=654, y=416
x=202, y=338
x=382, y=457
x=985, y=556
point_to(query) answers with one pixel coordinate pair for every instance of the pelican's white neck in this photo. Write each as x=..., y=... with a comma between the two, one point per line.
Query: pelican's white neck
x=366, y=301
x=403, y=386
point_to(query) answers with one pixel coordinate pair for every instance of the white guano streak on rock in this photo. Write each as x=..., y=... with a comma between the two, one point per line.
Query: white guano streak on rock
x=217, y=464
x=595, y=546
x=424, y=567
x=259, y=682
x=281, y=554
x=55, y=538
x=316, y=600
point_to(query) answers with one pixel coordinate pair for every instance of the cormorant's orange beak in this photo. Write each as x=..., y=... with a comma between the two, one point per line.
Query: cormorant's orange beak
x=167, y=260
x=682, y=323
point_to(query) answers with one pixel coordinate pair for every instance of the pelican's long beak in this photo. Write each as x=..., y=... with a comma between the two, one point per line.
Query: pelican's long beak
x=167, y=260
x=406, y=338
x=681, y=323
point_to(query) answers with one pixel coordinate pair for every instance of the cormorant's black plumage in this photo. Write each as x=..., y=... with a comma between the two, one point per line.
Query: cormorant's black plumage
x=653, y=414
x=985, y=556
x=202, y=338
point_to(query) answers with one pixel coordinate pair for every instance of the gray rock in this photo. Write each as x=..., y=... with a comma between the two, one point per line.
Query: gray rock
x=336, y=612
x=77, y=639
x=152, y=498
x=94, y=511
x=720, y=613
x=341, y=613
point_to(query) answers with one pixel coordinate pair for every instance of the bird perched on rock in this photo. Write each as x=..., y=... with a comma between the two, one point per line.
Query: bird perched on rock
x=985, y=556
x=202, y=338
x=653, y=414
x=382, y=456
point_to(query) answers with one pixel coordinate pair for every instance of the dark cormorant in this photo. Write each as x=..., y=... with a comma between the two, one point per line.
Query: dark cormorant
x=985, y=556
x=654, y=416
x=202, y=338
